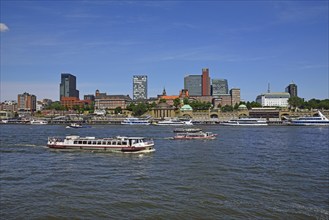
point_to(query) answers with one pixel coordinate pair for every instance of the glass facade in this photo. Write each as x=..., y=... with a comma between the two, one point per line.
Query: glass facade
x=193, y=83
x=219, y=87
x=68, y=86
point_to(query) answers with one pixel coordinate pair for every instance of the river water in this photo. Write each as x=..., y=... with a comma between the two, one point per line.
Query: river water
x=273, y=172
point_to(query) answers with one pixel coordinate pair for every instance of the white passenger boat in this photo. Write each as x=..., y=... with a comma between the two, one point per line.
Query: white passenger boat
x=38, y=122
x=74, y=125
x=315, y=120
x=195, y=136
x=175, y=122
x=246, y=122
x=116, y=144
x=136, y=121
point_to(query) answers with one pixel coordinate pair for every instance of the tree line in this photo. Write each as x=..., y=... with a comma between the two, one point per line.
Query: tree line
x=297, y=102
x=139, y=109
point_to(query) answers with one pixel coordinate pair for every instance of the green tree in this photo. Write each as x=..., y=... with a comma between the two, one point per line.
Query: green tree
x=131, y=106
x=139, y=109
x=153, y=105
x=57, y=106
x=324, y=104
x=236, y=106
x=176, y=102
x=162, y=101
x=118, y=110
x=197, y=105
x=186, y=101
x=227, y=108
x=295, y=102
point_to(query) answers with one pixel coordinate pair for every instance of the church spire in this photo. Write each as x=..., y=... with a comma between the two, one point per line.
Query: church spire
x=164, y=93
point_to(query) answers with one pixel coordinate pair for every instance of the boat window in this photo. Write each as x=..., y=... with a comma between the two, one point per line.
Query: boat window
x=75, y=142
x=84, y=142
x=114, y=143
x=124, y=142
x=99, y=142
x=104, y=142
x=89, y=142
x=119, y=142
x=80, y=142
x=94, y=142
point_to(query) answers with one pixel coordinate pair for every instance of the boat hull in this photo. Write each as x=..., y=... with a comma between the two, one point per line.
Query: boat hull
x=195, y=138
x=309, y=123
x=125, y=149
x=118, y=144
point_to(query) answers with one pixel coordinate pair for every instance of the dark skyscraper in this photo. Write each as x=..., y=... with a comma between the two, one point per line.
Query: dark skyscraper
x=68, y=86
x=292, y=89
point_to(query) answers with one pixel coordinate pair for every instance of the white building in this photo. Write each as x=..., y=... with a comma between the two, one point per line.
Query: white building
x=273, y=99
x=139, y=87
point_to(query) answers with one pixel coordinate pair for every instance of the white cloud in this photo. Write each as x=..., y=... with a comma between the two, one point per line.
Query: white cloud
x=3, y=27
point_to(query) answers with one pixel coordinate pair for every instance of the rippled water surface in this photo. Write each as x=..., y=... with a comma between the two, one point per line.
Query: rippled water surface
x=246, y=173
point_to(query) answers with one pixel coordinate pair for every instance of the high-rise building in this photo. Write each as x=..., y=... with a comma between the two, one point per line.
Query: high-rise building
x=26, y=102
x=68, y=86
x=193, y=83
x=219, y=87
x=292, y=89
x=139, y=87
x=205, y=82
x=235, y=95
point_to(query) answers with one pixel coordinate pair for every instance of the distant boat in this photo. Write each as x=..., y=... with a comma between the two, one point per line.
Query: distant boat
x=245, y=122
x=74, y=125
x=38, y=122
x=116, y=144
x=191, y=130
x=195, y=136
x=320, y=120
x=175, y=122
x=135, y=121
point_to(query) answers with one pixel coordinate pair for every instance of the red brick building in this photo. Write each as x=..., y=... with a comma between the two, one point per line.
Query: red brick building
x=69, y=102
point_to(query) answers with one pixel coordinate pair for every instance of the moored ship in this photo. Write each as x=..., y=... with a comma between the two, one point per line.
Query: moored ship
x=135, y=121
x=246, y=122
x=174, y=122
x=116, y=144
x=320, y=120
x=38, y=122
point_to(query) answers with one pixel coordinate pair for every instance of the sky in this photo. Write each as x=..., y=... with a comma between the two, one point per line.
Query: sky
x=252, y=44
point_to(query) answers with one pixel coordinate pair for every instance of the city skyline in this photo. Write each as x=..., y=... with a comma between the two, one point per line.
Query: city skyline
x=105, y=43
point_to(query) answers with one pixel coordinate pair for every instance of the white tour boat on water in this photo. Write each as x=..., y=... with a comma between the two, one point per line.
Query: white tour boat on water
x=38, y=122
x=315, y=120
x=175, y=122
x=74, y=125
x=116, y=144
x=246, y=122
x=136, y=121
x=195, y=136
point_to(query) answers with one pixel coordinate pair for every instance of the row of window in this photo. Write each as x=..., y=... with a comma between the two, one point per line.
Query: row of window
x=102, y=142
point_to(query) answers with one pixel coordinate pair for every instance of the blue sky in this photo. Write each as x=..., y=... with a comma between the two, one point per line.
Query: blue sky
x=104, y=43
